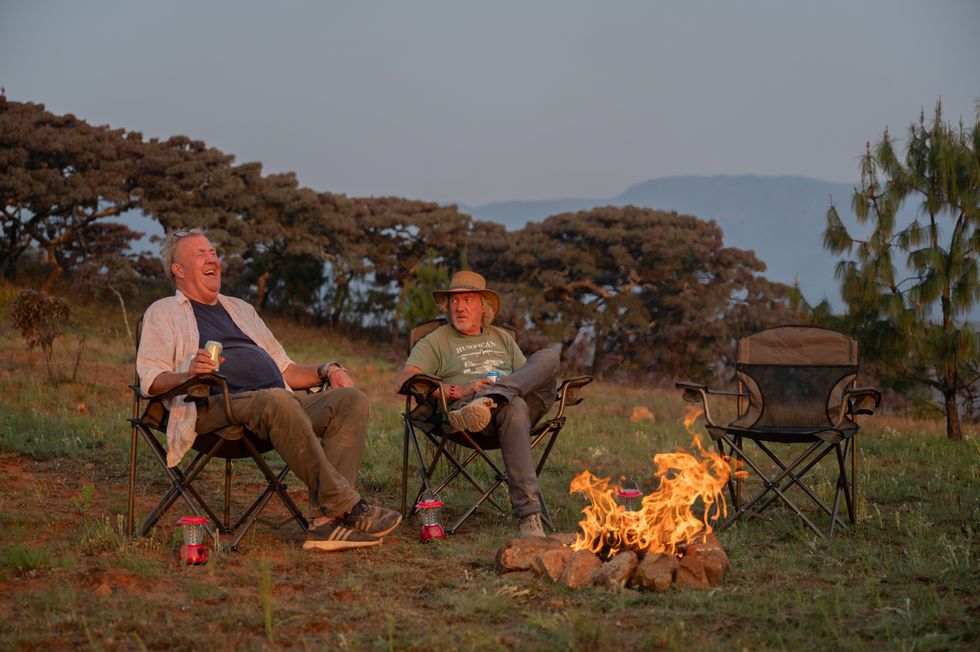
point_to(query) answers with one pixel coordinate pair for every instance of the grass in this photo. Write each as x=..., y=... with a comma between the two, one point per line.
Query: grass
x=905, y=578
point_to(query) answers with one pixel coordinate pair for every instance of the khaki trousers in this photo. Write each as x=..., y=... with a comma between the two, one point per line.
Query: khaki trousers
x=320, y=436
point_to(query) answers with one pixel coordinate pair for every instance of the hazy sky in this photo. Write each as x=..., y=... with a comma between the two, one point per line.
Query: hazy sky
x=484, y=101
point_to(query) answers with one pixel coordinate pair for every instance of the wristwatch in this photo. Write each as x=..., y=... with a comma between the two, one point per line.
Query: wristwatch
x=323, y=371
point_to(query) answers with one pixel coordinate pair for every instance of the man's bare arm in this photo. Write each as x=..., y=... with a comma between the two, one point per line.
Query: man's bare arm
x=407, y=372
x=302, y=376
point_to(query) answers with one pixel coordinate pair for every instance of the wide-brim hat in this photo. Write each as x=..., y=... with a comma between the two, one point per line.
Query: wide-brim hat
x=468, y=282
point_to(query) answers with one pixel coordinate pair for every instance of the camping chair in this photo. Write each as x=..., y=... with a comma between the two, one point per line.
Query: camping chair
x=149, y=422
x=426, y=422
x=796, y=390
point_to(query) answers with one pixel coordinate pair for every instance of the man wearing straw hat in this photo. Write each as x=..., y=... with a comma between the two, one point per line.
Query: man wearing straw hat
x=462, y=353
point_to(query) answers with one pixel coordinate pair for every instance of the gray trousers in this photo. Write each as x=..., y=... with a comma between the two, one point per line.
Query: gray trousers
x=320, y=436
x=530, y=393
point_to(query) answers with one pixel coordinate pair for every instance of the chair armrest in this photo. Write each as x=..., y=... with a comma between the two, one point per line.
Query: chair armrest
x=420, y=382
x=701, y=393
x=693, y=392
x=422, y=387
x=862, y=400
x=198, y=386
x=570, y=392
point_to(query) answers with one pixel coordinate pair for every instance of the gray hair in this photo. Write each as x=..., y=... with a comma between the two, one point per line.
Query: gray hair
x=488, y=313
x=170, y=246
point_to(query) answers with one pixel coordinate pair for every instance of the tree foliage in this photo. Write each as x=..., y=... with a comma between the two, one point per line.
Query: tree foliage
x=913, y=281
x=58, y=175
x=650, y=292
x=657, y=291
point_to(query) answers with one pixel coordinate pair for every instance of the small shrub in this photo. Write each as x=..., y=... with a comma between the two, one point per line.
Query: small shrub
x=40, y=319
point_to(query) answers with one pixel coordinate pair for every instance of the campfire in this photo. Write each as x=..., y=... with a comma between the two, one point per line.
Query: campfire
x=662, y=541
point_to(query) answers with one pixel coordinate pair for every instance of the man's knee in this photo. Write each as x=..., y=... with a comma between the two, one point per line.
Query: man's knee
x=352, y=401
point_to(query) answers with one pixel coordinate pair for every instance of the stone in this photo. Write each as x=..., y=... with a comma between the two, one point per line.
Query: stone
x=655, y=572
x=713, y=558
x=565, y=538
x=578, y=571
x=519, y=554
x=616, y=571
x=551, y=563
x=690, y=573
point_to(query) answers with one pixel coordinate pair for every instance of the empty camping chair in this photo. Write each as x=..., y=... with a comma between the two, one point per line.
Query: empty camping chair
x=149, y=423
x=431, y=440
x=797, y=401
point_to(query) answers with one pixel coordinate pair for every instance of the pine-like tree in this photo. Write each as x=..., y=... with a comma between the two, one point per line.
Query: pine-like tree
x=912, y=312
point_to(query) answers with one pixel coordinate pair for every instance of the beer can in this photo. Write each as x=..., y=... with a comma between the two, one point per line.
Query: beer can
x=493, y=376
x=214, y=350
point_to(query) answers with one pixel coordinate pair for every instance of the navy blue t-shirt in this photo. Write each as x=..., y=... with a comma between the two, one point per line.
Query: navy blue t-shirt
x=247, y=366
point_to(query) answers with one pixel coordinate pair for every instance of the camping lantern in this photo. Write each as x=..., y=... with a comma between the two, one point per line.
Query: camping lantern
x=193, y=551
x=431, y=527
x=629, y=496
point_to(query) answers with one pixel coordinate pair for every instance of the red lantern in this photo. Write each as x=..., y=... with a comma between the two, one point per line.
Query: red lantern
x=629, y=497
x=428, y=509
x=193, y=551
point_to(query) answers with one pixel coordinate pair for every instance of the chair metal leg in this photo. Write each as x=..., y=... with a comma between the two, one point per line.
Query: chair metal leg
x=227, y=495
x=790, y=475
x=854, y=479
x=405, y=513
x=772, y=484
x=274, y=485
x=545, y=433
x=131, y=499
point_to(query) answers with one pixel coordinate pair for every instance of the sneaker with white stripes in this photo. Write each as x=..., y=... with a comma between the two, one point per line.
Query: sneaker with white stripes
x=334, y=535
x=372, y=519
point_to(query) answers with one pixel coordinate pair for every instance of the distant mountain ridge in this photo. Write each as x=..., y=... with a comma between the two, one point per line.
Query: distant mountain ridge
x=780, y=218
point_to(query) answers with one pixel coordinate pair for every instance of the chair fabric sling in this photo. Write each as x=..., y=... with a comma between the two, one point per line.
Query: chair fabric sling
x=426, y=422
x=149, y=424
x=797, y=401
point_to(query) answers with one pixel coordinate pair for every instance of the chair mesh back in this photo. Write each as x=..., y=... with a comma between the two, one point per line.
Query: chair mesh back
x=793, y=375
x=792, y=396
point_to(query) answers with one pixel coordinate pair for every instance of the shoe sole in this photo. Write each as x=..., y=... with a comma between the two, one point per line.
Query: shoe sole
x=334, y=546
x=471, y=418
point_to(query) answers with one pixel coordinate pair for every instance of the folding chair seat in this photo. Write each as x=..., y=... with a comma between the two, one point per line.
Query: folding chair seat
x=797, y=402
x=149, y=423
x=429, y=436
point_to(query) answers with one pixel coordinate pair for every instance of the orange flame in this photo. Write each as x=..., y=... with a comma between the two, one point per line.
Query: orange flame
x=664, y=522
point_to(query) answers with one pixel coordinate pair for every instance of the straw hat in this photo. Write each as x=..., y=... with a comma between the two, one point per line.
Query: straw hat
x=468, y=282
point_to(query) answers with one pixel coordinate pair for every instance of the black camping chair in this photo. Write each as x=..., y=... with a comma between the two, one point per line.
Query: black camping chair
x=427, y=431
x=149, y=423
x=796, y=391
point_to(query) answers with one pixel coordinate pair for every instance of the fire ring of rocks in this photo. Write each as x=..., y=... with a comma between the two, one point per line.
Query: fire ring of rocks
x=658, y=545
x=700, y=564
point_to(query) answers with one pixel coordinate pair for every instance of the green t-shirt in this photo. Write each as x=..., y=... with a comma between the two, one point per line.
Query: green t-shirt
x=462, y=359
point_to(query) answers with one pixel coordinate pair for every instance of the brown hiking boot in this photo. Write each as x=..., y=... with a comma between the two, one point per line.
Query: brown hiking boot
x=472, y=417
x=531, y=526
